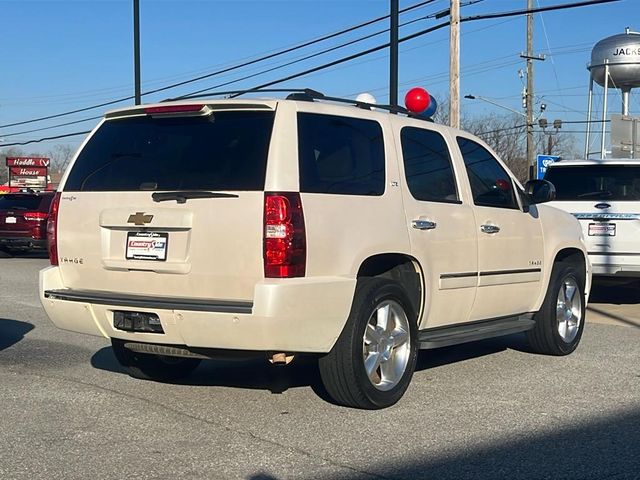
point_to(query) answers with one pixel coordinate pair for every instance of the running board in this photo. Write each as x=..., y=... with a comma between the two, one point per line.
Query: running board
x=470, y=332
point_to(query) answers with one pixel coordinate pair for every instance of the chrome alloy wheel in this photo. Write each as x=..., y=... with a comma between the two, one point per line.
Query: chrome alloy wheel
x=386, y=345
x=569, y=310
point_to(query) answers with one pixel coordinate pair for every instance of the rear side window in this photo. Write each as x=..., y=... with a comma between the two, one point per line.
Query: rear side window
x=427, y=166
x=20, y=202
x=340, y=155
x=224, y=151
x=598, y=182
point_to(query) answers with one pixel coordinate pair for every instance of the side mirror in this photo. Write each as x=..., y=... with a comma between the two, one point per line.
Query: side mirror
x=539, y=191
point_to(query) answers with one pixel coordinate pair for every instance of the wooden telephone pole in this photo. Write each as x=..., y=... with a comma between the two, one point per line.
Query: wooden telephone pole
x=454, y=65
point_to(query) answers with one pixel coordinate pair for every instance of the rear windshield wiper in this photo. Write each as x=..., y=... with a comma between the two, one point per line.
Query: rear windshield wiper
x=182, y=197
x=596, y=194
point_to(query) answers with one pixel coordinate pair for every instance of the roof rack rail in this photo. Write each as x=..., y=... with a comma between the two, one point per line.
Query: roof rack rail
x=237, y=93
x=307, y=95
x=360, y=104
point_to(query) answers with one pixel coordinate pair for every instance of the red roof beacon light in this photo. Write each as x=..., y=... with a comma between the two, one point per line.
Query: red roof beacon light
x=417, y=100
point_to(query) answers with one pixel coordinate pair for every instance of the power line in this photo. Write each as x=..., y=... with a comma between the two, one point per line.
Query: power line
x=27, y=142
x=432, y=29
x=13, y=134
x=350, y=57
x=224, y=70
x=307, y=57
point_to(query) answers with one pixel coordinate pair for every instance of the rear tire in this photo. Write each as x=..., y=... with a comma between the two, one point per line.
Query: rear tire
x=147, y=366
x=373, y=360
x=560, y=320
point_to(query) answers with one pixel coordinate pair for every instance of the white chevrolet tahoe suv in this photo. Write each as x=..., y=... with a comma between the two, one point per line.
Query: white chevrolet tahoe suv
x=604, y=195
x=193, y=229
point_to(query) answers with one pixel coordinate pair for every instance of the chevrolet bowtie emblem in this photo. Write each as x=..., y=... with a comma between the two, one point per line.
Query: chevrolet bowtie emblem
x=140, y=218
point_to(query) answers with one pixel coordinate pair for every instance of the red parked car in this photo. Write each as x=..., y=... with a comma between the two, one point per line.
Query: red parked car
x=23, y=220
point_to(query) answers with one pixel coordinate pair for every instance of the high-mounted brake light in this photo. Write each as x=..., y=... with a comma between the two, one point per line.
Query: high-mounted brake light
x=52, y=230
x=173, y=109
x=285, y=245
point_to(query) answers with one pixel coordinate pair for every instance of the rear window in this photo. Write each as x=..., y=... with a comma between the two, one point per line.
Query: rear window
x=223, y=151
x=606, y=182
x=20, y=202
x=340, y=155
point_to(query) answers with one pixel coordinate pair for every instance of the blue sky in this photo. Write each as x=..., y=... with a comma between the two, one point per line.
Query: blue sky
x=64, y=55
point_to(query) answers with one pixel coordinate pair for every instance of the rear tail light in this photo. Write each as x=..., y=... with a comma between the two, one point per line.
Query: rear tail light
x=285, y=246
x=35, y=216
x=52, y=230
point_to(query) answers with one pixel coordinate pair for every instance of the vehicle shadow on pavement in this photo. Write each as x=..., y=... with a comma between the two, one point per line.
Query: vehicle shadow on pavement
x=21, y=254
x=12, y=331
x=615, y=293
x=258, y=374
x=592, y=448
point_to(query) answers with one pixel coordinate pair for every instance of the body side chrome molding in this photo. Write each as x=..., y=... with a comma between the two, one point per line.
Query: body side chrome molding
x=607, y=216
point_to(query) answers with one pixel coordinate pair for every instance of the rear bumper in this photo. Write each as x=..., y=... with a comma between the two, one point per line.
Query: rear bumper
x=23, y=242
x=619, y=265
x=292, y=315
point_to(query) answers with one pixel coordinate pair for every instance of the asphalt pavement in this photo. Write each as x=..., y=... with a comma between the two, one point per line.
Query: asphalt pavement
x=486, y=410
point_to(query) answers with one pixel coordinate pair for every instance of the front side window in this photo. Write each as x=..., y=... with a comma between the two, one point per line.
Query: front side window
x=427, y=166
x=491, y=185
x=224, y=151
x=340, y=155
x=597, y=182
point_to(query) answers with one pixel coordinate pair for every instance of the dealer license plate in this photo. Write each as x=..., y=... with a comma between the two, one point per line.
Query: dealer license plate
x=602, y=229
x=10, y=220
x=147, y=246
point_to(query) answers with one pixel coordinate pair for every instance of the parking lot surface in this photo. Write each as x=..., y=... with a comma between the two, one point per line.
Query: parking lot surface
x=484, y=410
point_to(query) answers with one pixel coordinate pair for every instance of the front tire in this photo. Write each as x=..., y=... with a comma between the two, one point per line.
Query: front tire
x=147, y=366
x=373, y=360
x=560, y=320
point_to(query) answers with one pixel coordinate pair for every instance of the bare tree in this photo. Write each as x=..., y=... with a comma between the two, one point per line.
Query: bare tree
x=9, y=152
x=60, y=156
x=506, y=135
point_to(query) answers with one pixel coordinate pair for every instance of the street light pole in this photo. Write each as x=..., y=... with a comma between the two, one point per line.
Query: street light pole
x=484, y=99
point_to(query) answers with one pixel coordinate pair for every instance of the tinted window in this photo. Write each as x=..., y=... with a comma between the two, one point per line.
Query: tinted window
x=340, y=155
x=491, y=185
x=224, y=151
x=427, y=166
x=23, y=202
x=606, y=182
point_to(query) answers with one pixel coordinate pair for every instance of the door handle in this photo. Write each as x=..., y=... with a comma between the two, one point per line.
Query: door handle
x=489, y=229
x=420, y=224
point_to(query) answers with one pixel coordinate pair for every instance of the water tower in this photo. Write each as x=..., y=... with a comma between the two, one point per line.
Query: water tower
x=615, y=63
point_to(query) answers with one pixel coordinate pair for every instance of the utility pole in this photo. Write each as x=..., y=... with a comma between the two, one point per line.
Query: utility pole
x=529, y=93
x=454, y=65
x=393, y=54
x=136, y=50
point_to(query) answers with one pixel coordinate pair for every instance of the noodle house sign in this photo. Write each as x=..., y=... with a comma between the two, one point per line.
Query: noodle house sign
x=28, y=172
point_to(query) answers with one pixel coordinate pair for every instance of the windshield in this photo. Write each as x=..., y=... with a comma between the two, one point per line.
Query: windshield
x=224, y=151
x=607, y=182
